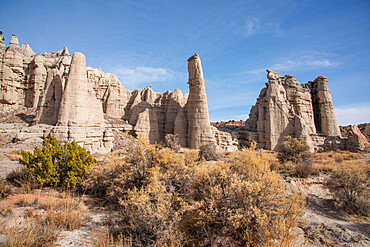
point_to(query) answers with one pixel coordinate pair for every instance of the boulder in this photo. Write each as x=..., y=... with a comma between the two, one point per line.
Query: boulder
x=356, y=141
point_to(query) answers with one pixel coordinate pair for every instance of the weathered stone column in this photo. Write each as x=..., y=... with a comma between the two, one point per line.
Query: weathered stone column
x=199, y=128
x=325, y=118
x=81, y=113
x=79, y=104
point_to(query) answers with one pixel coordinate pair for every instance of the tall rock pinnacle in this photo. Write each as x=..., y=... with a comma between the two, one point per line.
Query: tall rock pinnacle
x=79, y=104
x=199, y=128
x=325, y=118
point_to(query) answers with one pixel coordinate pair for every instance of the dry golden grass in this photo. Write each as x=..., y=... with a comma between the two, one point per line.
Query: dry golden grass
x=320, y=162
x=336, y=156
x=34, y=233
x=103, y=238
x=65, y=212
x=333, y=160
x=11, y=154
x=46, y=214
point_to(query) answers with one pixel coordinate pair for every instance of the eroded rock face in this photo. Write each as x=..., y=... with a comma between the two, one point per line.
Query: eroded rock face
x=226, y=141
x=286, y=107
x=81, y=115
x=199, y=128
x=82, y=102
x=325, y=118
x=356, y=141
x=85, y=104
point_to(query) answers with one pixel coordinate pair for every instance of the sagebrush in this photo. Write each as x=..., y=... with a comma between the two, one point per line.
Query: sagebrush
x=295, y=150
x=167, y=198
x=350, y=186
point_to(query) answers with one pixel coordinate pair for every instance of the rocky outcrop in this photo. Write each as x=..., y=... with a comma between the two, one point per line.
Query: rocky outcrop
x=81, y=115
x=322, y=103
x=199, y=128
x=85, y=104
x=356, y=141
x=286, y=107
x=364, y=128
x=81, y=103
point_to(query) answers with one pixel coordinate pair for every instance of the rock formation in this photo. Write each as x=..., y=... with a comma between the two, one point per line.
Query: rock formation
x=286, y=107
x=364, y=128
x=356, y=140
x=80, y=115
x=75, y=102
x=199, y=127
x=325, y=119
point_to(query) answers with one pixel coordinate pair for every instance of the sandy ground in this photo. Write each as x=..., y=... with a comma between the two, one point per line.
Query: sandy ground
x=321, y=224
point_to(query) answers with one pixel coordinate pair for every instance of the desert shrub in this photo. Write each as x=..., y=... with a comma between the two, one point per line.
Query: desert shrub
x=295, y=150
x=167, y=198
x=58, y=165
x=4, y=189
x=208, y=151
x=304, y=169
x=240, y=202
x=145, y=185
x=351, y=189
x=22, y=177
x=172, y=141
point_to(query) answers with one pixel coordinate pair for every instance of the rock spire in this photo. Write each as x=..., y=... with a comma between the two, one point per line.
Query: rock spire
x=199, y=128
x=79, y=104
x=325, y=118
x=14, y=43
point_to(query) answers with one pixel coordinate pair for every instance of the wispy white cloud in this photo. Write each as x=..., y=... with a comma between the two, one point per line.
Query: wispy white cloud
x=353, y=114
x=134, y=77
x=304, y=63
x=254, y=26
x=311, y=60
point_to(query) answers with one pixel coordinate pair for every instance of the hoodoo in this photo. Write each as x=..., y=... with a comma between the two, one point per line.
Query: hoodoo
x=81, y=115
x=199, y=128
x=325, y=118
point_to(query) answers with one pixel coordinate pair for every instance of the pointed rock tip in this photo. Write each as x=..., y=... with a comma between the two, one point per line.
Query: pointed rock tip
x=79, y=59
x=269, y=70
x=14, y=41
x=195, y=56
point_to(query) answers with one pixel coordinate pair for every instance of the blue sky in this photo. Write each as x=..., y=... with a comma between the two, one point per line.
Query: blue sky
x=148, y=42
